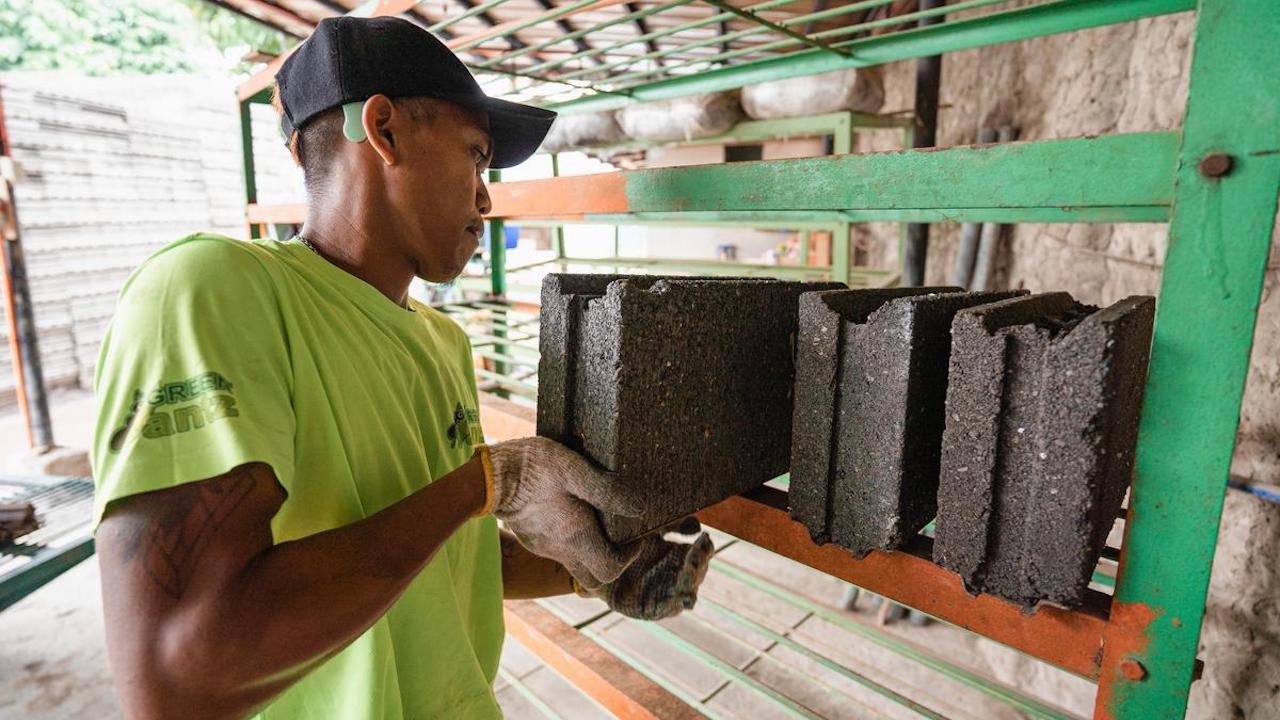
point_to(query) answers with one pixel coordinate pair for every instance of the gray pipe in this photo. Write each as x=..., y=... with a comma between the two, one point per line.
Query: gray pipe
x=985, y=264
x=962, y=270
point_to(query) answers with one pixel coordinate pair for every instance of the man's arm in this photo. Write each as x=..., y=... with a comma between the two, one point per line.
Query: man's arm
x=207, y=618
x=526, y=576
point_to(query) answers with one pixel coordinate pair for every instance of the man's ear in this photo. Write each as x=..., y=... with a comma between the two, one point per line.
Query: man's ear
x=379, y=119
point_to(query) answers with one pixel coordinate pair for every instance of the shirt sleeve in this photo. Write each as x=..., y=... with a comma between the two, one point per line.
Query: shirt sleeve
x=194, y=377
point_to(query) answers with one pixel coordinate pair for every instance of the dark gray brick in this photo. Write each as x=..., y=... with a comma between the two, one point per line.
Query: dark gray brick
x=679, y=385
x=871, y=370
x=1042, y=412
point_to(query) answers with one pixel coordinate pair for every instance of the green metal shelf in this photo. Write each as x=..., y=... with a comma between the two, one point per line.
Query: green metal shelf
x=1220, y=215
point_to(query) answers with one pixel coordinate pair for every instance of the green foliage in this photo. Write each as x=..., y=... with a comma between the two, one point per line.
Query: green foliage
x=99, y=37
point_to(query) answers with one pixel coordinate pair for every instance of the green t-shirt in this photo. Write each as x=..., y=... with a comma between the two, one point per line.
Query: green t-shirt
x=224, y=352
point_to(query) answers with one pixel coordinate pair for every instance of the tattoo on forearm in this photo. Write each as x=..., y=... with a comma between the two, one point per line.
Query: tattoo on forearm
x=171, y=544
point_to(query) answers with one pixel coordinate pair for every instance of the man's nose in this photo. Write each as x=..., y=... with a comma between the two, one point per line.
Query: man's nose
x=483, y=204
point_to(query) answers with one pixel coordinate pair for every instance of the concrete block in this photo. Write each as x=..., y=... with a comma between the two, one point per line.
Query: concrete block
x=679, y=385
x=1042, y=411
x=871, y=379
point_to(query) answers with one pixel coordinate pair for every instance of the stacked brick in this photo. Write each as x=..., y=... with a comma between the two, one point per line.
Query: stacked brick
x=678, y=385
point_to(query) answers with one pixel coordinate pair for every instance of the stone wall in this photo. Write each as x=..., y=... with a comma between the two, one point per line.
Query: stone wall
x=1124, y=78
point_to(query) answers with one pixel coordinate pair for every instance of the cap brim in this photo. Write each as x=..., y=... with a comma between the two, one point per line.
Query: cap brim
x=517, y=130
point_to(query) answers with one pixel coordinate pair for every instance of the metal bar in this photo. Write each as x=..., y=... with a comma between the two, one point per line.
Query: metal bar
x=642, y=27
x=26, y=579
x=841, y=670
x=643, y=667
x=1228, y=175
x=784, y=704
x=838, y=124
x=634, y=16
x=290, y=24
x=1020, y=24
x=527, y=694
x=1108, y=171
x=508, y=28
x=823, y=219
x=707, y=266
x=928, y=80
x=834, y=32
x=984, y=264
x=1008, y=695
x=665, y=32
x=1067, y=639
x=768, y=25
x=962, y=270
x=481, y=9
x=497, y=247
x=250, y=175
x=840, y=260
x=9, y=230
x=736, y=35
x=620, y=689
x=22, y=323
x=501, y=379
x=787, y=44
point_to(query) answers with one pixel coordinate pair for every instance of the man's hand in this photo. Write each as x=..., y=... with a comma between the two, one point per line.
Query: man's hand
x=664, y=578
x=547, y=496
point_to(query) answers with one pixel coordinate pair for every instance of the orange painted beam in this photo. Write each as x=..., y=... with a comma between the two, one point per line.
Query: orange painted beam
x=560, y=197
x=1071, y=640
x=505, y=420
x=618, y=687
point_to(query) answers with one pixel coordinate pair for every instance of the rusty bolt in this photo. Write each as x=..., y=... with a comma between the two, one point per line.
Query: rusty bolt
x=1216, y=165
x=1133, y=669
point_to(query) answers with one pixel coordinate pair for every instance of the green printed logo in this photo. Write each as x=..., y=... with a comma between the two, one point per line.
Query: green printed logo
x=208, y=397
x=465, y=430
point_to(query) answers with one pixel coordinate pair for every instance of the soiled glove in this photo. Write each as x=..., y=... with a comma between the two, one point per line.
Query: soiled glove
x=663, y=580
x=547, y=495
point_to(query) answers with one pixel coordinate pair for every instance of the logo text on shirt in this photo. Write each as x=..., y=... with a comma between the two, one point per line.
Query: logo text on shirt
x=208, y=397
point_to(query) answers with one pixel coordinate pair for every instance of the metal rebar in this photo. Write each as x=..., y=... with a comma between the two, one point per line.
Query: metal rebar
x=481, y=9
x=579, y=33
x=962, y=269
x=925, y=131
x=1010, y=696
x=788, y=43
x=665, y=32
x=989, y=241
x=817, y=657
x=528, y=694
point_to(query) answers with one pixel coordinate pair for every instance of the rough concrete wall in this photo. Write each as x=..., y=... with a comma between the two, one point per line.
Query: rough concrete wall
x=1124, y=78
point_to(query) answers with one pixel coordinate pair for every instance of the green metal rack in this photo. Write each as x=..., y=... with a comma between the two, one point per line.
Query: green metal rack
x=1214, y=181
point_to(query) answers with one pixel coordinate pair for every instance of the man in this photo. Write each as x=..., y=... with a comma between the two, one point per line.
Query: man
x=295, y=521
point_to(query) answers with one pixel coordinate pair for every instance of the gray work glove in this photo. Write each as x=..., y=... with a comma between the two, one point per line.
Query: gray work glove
x=547, y=496
x=663, y=580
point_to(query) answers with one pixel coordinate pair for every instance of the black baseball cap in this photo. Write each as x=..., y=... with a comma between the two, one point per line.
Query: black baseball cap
x=350, y=59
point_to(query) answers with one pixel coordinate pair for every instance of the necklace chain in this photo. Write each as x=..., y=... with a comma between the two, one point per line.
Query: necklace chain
x=311, y=246
x=308, y=243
